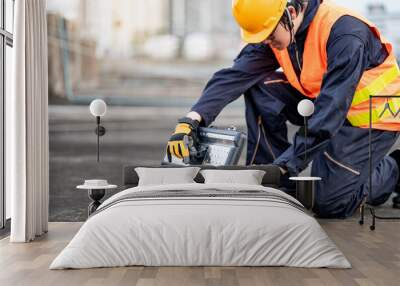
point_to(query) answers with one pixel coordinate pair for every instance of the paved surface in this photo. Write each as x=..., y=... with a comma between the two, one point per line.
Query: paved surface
x=143, y=82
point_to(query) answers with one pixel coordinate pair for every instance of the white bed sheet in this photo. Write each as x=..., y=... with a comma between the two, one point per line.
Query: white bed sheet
x=200, y=232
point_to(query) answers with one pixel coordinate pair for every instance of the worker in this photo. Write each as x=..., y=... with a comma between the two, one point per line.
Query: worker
x=335, y=58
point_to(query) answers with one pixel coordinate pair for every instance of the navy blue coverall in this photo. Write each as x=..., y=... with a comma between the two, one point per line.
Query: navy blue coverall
x=338, y=150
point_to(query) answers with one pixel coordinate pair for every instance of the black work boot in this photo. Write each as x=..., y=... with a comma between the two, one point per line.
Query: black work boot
x=396, y=200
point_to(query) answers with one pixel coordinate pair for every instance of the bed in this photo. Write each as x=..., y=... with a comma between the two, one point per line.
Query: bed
x=197, y=224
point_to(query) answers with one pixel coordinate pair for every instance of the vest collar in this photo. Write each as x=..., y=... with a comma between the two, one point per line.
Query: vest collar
x=309, y=15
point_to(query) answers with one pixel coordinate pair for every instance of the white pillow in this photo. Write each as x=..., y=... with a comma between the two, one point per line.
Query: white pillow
x=166, y=176
x=248, y=177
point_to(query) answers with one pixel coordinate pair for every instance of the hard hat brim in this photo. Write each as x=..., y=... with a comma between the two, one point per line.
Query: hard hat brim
x=255, y=38
x=269, y=26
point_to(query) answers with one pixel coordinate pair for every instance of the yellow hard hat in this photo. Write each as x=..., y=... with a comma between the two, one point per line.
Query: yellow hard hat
x=257, y=18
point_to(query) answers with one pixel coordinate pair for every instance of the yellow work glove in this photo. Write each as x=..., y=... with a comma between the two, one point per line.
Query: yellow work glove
x=177, y=146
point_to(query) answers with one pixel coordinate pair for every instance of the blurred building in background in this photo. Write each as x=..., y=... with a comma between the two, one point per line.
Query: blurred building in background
x=150, y=48
x=95, y=46
x=172, y=28
x=206, y=24
x=121, y=26
x=126, y=28
x=388, y=23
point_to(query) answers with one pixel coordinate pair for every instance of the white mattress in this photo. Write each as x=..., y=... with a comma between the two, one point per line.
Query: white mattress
x=206, y=231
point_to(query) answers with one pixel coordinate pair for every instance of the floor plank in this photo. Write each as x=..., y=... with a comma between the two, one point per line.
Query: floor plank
x=375, y=257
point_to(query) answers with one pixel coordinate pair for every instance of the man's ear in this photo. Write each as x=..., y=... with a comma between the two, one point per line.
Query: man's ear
x=292, y=12
x=289, y=14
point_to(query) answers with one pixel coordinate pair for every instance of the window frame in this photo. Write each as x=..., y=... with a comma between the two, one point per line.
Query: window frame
x=6, y=39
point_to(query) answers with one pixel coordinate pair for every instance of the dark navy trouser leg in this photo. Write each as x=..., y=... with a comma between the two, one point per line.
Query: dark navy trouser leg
x=343, y=166
x=275, y=102
x=344, y=169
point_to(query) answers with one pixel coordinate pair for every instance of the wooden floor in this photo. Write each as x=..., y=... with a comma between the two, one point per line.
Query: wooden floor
x=375, y=257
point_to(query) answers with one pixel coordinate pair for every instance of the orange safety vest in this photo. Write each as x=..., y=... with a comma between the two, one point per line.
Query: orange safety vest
x=381, y=80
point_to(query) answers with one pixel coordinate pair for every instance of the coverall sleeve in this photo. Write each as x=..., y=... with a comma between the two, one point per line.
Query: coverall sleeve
x=252, y=65
x=347, y=60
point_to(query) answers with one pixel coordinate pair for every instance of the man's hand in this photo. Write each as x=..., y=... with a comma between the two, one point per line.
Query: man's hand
x=176, y=145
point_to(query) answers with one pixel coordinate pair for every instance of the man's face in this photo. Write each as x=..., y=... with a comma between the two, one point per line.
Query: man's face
x=279, y=39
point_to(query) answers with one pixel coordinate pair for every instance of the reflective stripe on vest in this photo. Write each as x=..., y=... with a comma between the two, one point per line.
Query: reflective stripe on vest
x=388, y=110
x=381, y=80
x=377, y=86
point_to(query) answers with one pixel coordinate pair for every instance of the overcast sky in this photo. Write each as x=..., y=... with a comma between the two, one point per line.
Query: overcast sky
x=360, y=5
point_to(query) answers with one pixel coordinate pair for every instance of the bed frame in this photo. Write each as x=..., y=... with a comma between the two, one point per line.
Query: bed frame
x=271, y=178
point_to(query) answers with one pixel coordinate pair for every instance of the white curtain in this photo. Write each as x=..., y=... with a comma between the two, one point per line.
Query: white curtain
x=27, y=147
